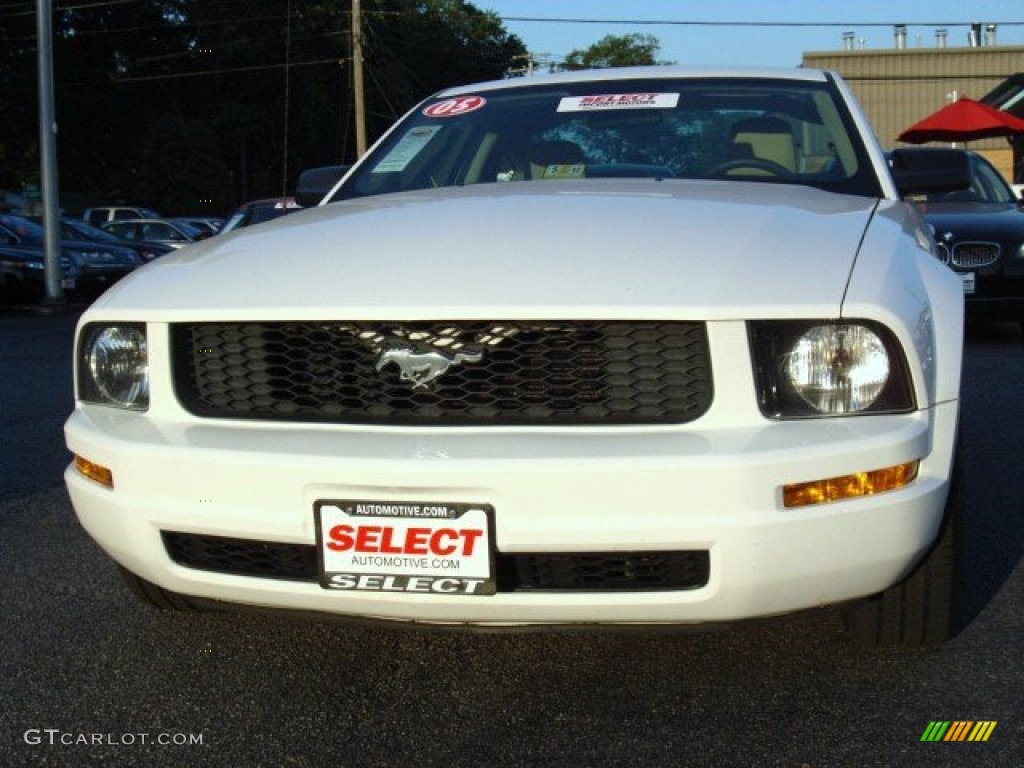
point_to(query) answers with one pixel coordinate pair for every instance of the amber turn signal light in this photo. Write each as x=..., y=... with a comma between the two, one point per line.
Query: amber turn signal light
x=95, y=472
x=850, y=486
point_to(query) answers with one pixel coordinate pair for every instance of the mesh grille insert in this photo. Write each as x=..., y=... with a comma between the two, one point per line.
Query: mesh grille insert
x=450, y=373
x=604, y=571
x=242, y=557
x=571, y=572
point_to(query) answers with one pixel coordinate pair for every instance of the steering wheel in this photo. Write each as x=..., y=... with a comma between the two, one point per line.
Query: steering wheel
x=754, y=163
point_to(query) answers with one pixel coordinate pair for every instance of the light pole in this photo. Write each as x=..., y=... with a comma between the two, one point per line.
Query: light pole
x=48, y=153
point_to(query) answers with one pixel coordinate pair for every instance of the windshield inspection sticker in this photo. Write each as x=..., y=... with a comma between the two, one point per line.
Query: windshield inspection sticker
x=618, y=101
x=421, y=547
x=406, y=149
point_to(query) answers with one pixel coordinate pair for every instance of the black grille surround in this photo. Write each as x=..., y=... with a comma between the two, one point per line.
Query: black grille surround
x=500, y=373
x=564, y=572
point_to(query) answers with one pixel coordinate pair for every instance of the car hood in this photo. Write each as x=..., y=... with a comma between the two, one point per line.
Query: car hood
x=626, y=248
x=99, y=253
x=984, y=221
x=22, y=253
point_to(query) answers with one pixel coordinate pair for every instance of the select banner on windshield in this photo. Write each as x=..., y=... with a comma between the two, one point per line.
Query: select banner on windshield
x=415, y=547
x=618, y=101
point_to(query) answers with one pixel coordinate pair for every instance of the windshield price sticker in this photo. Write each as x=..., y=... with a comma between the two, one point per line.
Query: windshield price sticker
x=408, y=147
x=619, y=101
x=419, y=547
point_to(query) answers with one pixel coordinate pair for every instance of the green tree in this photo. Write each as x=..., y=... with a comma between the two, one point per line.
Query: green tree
x=414, y=48
x=187, y=150
x=616, y=51
x=252, y=90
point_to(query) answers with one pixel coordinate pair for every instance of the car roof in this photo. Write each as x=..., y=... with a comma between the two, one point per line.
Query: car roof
x=141, y=221
x=643, y=73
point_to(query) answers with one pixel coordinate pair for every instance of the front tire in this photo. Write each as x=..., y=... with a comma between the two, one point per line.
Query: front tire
x=921, y=610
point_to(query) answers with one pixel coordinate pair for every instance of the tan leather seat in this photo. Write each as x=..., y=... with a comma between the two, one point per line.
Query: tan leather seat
x=768, y=138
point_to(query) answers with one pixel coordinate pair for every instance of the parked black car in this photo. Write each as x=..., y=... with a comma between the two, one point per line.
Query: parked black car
x=173, y=234
x=980, y=234
x=209, y=224
x=95, y=266
x=72, y=229
x=23, y=275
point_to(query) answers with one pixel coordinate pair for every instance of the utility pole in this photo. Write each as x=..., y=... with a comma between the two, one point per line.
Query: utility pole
x=48, y=153
x=357, y=77
x=532, y=61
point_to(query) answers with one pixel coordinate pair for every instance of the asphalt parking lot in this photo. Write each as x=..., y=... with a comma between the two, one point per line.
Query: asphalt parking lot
x=89, y=677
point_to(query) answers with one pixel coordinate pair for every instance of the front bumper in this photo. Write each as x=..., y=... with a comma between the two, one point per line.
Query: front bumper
x=996, y=297
x=551, y=491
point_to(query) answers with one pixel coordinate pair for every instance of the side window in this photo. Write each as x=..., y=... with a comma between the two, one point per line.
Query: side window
x=988, y=185
x=157, y=232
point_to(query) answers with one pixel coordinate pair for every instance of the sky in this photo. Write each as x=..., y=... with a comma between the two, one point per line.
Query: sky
x=777, y=32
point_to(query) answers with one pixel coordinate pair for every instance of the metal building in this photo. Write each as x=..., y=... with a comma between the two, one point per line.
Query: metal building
x=900, y=85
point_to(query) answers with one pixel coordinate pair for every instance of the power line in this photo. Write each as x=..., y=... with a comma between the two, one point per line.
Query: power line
x=208, y=72
x=221, y=46
x=782, y=24
x=30, y=9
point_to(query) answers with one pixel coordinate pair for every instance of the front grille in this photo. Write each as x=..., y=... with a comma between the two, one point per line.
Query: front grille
x=974, y=255
x=604, y=572
x=243, y=557
x=487, y=373
x=566, y=572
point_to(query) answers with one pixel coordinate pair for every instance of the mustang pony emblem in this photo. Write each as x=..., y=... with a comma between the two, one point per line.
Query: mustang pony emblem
x=421, y=366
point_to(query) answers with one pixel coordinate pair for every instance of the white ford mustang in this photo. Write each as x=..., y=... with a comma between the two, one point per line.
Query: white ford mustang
x=639, y=346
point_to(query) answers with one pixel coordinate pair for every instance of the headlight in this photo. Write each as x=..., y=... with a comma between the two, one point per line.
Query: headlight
x=36, y=265
x=807, y=369
x=113, y=366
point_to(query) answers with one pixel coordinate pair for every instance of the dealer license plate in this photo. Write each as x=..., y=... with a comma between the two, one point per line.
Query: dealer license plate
x=968, y=280
x=415, y=547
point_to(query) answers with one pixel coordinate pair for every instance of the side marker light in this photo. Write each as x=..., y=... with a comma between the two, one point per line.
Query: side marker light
x=95, y=472
x=850, y=486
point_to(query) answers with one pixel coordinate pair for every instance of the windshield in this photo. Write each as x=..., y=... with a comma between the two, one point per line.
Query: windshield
x=179, y=231
x=987, y=186
x=776, y=131
x=82, y=231
x=27, y=231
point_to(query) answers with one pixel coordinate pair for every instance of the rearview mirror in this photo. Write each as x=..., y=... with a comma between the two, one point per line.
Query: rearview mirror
x=922, y=171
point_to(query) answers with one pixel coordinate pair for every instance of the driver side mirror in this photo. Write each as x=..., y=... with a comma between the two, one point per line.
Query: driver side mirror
x=315, y=183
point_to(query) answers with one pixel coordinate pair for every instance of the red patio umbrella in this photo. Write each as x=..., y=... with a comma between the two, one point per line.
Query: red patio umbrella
x=963, y=120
